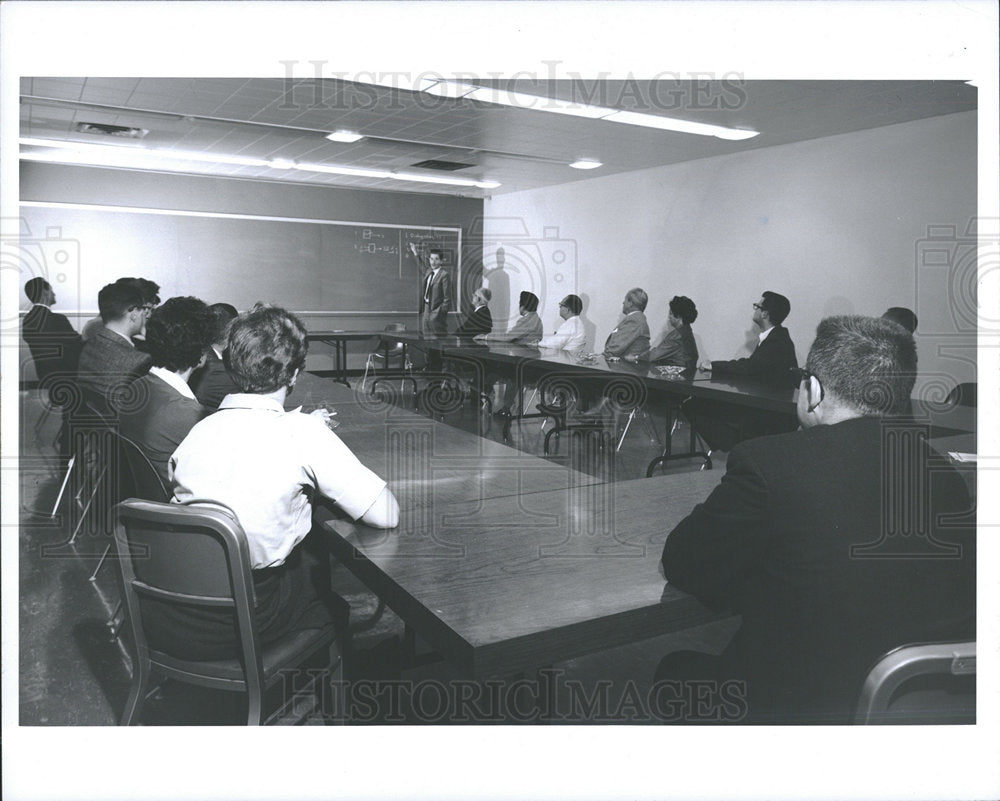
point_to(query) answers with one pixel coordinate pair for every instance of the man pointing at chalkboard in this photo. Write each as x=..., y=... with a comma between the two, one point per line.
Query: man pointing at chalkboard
x=435, y=293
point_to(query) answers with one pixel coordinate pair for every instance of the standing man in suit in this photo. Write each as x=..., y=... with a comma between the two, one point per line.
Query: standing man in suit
x=212, y=382
x=835, y=543
x=54, y=344
x=772, y=364
x=109, y=361
x=435, y=293
x=164, y=408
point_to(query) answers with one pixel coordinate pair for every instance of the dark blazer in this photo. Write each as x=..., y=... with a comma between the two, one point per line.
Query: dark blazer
x=772, y=361
x=54, y=344
x=157, y=419
x=677, y=348
x=479, y=322
x=773, y=542
x=434, y=315
x=108, y=362
x=212, y=382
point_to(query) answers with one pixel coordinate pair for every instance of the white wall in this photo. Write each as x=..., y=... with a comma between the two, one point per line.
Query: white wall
x=837, y=224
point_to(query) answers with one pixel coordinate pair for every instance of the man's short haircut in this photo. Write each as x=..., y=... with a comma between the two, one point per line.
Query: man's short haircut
x=776, y=306
x=116, y=300
x=486, y=293
x=528, y=301
x=868, y=363
x=178, y=332
x=438, y=251
x=150, y=290
x=35, y=288
x=901, y=316
x=638, y=297
x=265, y=348
x=222, y=315
x=684, y=308
x=574, y=304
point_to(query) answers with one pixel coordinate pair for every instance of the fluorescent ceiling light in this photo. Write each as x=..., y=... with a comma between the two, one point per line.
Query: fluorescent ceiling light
x=61, y=152
x=501, y=97
x=344, y=136
x=585, y=164
x=682, y=126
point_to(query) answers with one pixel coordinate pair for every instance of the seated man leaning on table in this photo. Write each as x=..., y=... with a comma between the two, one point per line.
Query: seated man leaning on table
x=678, y=347
x=771, y=364
x=265, y=464
x=835, y=543
x=570, y=335
x=526, y=331
x=480, y=321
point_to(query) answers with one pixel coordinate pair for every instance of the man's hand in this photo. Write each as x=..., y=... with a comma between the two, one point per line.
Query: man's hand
x=705, y=366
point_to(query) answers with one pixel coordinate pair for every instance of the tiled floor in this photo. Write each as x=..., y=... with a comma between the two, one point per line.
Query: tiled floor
x=73, y=672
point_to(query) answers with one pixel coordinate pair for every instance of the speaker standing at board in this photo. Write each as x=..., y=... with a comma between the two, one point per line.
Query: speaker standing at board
x=435, y=293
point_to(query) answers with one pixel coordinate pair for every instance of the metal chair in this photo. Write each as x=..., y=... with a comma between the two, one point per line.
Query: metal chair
x=197, y=555
x=391, y=350
x=884, y=697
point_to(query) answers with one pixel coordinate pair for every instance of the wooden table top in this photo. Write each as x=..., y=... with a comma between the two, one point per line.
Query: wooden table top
x=426, y=462
x=528, y=580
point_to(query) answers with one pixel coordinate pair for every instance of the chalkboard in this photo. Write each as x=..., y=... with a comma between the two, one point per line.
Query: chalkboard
x=307, y=265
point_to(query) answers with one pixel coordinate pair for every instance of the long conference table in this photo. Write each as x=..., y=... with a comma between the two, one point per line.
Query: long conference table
x=504, y=561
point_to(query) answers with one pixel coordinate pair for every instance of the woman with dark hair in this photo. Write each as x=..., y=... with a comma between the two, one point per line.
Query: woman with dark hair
x=266, y=464
x=161, y=408
x=678, y=346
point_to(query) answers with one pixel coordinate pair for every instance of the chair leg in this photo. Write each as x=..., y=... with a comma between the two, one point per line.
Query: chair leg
x=255, y=706
x=137, y=695
x=62, y=488
x=628, y=423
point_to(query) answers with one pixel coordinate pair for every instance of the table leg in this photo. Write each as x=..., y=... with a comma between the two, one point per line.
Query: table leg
x=672, y=411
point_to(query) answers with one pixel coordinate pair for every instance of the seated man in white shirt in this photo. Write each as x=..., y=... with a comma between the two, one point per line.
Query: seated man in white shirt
x=266, y=464
x=161, y=408
x=570, y=335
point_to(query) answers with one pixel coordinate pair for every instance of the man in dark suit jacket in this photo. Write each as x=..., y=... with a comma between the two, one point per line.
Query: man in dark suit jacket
x=212, y=382
x=836, y=543
x=162, y=408
x=480, y=321
x=54, y=344
x=435, y=294
x=772, y=364
x=109, y=361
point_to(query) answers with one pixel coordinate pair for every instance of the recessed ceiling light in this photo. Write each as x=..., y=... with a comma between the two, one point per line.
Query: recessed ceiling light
x=281, y=164
x=585, y=164
x=344, y=136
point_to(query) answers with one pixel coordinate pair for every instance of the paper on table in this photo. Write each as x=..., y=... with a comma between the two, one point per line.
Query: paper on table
x=962, y=457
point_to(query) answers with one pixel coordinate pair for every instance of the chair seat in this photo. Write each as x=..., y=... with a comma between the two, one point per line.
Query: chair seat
x=280, y=655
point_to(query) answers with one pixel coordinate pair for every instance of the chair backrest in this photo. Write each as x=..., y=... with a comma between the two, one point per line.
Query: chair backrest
x=907, y=662
x=138, y=477
x=963, y=395
x=192, y=555
x=397, y=346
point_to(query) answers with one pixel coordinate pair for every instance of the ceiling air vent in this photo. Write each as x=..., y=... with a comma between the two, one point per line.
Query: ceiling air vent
x=442, y=166
x=110, y=130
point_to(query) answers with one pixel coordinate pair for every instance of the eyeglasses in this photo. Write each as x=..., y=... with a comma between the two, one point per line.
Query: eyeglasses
x=758, y=307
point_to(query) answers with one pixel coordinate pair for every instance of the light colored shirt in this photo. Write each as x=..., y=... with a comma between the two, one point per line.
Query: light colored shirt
x=260, y=461
x=173, y=380
x=570, y=335
x=763, y=335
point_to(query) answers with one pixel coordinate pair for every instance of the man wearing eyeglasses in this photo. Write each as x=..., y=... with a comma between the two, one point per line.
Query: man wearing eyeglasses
x=109, y=360
x=836, y=543
x=771, y=363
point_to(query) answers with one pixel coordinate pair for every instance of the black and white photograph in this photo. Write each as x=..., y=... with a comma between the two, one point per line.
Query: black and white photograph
x=500, y=400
